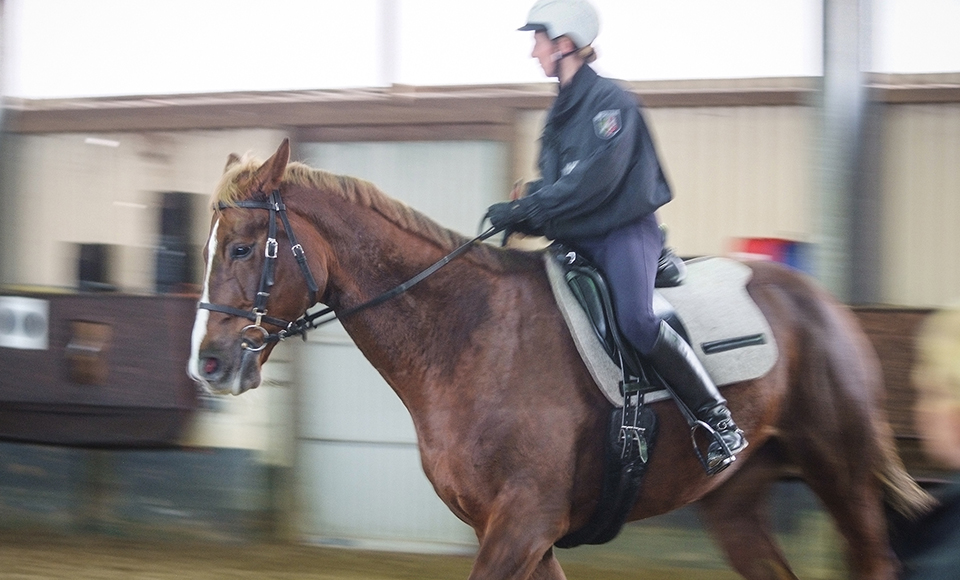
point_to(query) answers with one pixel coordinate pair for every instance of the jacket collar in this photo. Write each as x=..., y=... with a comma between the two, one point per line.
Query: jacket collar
x=572, y=94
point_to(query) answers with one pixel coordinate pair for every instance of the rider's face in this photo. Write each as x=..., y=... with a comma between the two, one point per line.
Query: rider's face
x=544, y=50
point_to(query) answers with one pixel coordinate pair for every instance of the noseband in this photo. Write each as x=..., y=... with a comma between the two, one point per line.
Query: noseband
x=278, y=211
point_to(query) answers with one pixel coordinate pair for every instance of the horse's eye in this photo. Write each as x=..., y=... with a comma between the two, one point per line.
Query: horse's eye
x=240, y=252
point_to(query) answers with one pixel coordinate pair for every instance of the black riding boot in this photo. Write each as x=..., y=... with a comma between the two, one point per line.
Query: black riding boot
x=676, y=362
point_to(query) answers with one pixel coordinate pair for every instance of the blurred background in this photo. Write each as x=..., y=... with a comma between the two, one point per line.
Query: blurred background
x=824, y=135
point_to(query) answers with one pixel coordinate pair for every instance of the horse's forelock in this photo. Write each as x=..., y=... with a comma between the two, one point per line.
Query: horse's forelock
x=234, y=184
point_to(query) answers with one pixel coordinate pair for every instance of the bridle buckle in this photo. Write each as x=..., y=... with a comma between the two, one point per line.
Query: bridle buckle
x=270, y=248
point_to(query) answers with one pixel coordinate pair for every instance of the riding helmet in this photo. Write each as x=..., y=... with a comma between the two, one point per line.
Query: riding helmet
x=575, y=19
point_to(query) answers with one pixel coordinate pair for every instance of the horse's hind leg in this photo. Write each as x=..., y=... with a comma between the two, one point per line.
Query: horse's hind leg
x=736, y=515
x=853, y=497
x=835, y=434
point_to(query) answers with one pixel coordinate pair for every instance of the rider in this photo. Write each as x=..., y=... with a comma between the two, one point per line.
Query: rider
x=601, y=184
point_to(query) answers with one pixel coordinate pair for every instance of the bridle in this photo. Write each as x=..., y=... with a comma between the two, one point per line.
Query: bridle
x=254, y=337
x=258, y=315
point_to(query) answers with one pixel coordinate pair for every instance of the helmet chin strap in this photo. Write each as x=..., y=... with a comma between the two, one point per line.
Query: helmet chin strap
x=558, y=56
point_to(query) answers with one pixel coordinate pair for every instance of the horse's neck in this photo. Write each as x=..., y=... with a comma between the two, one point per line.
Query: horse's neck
x=419, y=332
x=372, y=261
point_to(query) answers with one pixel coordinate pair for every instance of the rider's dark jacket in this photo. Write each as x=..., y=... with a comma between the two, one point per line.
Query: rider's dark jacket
x=599, y=168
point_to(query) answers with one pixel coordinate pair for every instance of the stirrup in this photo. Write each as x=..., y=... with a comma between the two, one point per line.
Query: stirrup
x=714, y=436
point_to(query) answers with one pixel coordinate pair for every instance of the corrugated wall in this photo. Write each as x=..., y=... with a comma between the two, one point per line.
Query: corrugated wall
x=735, y=172
x=750, y=172
x=746, y=171
x=921, y=195
x=69, y=191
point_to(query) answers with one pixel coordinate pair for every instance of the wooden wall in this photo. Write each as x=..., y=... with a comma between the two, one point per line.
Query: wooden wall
x=893, y=331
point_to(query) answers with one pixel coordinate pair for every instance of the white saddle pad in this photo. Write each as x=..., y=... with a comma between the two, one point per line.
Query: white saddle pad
x=716, y=311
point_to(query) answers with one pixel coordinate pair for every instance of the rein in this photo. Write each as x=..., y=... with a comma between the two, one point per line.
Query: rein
x=306, y=322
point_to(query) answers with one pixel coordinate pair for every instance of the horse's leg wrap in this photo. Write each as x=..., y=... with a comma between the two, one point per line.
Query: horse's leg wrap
x=680, y=368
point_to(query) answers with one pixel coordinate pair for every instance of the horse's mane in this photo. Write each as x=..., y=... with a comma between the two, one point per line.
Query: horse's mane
x=235, y=185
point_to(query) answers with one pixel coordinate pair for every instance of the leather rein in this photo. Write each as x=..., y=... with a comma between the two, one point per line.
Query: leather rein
x=254, y=336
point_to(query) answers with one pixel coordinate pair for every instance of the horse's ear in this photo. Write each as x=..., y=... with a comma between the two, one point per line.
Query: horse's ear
x=270, y=174
x=232, y=160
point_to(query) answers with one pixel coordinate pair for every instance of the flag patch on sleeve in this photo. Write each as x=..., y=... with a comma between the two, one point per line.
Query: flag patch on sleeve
x=607, y=123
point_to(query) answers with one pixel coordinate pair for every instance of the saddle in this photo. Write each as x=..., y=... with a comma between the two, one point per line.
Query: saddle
x=590, y=288
x=711, y=309
x=632, y=428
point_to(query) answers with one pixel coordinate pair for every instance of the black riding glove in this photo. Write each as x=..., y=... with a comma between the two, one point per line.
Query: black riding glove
x=518, y=215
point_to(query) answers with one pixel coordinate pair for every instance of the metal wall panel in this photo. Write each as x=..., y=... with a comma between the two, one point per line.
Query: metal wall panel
x=68, y=191
x=736, y=172
x=375, y=496
x=921, y=195
x=741, y=172
x=344, y=398
x=358, y=468
x=452, y=182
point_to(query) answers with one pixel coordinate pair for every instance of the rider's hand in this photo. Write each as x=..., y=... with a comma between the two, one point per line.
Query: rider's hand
x=504, y=214
x=517, y=191
x=519, y=215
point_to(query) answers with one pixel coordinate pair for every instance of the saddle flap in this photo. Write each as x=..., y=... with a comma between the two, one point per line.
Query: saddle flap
x=719, y=319
x=588, y=288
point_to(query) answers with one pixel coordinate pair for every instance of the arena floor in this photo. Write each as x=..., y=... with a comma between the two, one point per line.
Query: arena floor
x=54, y=524
x=86, y=558
x=641, y=552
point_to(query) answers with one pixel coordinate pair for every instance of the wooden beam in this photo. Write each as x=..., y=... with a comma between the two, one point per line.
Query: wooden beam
x=379, y=108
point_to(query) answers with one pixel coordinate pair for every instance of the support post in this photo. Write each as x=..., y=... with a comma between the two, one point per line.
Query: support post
x=848, y=208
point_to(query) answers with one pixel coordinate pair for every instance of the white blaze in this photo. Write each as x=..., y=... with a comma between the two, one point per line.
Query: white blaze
x=203, y=315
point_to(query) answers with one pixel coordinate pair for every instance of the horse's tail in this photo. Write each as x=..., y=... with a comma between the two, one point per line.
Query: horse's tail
x=901, y=491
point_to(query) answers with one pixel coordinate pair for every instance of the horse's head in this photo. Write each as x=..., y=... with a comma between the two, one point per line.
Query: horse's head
x=254, y=285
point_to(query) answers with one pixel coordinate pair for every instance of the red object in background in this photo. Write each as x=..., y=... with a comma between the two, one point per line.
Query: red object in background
x=769, y=248
x=792, y=253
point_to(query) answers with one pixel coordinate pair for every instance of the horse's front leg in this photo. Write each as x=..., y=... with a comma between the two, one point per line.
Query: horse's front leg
x=545, y=568
x=548, y=568
x=517, y=541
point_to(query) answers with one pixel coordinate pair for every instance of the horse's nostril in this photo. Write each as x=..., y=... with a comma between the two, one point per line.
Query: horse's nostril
x=210, y=366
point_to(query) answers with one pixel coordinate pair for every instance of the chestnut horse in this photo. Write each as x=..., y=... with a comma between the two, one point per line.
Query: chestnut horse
x=509, y=422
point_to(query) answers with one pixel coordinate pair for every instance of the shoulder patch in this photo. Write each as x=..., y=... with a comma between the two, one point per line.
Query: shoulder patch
x=606, y=124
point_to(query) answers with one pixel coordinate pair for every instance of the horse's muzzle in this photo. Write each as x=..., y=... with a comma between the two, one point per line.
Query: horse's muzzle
x=222, y=375
x=210, y=367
